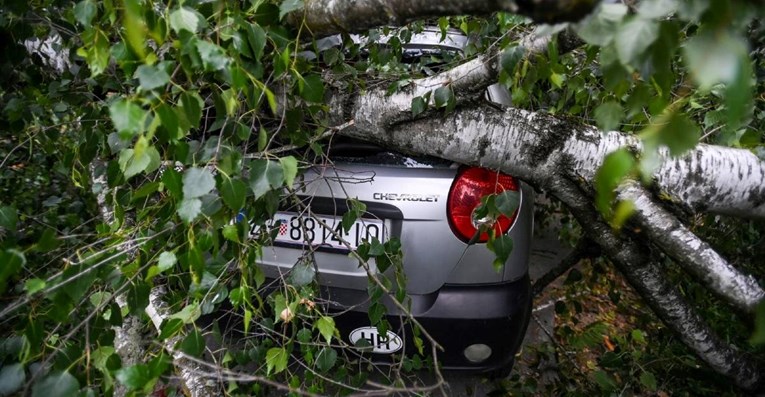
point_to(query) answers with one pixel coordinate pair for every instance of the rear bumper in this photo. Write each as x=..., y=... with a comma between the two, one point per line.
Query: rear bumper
x=456, y=317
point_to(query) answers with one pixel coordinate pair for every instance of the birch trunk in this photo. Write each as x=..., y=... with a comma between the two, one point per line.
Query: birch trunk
x=324, y=17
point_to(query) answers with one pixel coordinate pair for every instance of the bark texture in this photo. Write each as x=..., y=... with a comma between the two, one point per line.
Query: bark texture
x=687, y=249
x=708, y=178
x=324, y=17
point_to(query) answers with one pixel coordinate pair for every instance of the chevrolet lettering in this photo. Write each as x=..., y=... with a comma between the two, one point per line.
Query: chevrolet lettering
x=428, y=198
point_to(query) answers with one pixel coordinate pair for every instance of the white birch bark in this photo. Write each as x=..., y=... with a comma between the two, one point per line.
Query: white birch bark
x=632, y=260
x=128, y=341
x=695, y=255
x=324, y=17
x=708, y=178
x=191, y=372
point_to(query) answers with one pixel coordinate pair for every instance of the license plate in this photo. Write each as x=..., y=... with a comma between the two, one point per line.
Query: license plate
x=323, y=231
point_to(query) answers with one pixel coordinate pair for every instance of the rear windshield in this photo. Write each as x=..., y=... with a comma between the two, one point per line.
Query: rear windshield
x=357, y=152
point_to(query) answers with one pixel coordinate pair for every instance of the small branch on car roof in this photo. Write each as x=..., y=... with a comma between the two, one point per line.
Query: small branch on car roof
x=326, y=134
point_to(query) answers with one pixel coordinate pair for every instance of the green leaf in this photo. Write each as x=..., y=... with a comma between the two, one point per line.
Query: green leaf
x=510, y=58
x=653, y=9
x=84, y=12
x=170, y=328
x=557, y=79
x=616, y=166
x=326, y=326
x=507, y=202
x=715, y=57
x=605, y=381
x=256, y=37
x=12, y=377
x=262, y=139
x=169, y=118
x=600, y=27
x=190, y=209
x=231, y=233
x=634, y=38
x=185, y=18
x=738, y=96
x=34, y=285
x=264, y=176
x=622, y=213
x=693, y=10
x=443, y=95
x=138, y=298
x=213, y=56
x=99, y=298
x=418, y=105
x=348, y=220
x=678, y=133
x=193, y=344
x=197, y=182
x=12, y=261
x=276, y=360
x=57, y=384
x=127, y=117
x=288, y=6
x=502, y=246
x=173, y=182
x=312, y=88
x=326, y=359
x=132, y=165
x=188, y=314
x=166, y=260
x=151, y=77
x=8, y=218
x=290, y=168
x=234, y=192
x=376, y=312
x=134, y=377
x=96, y=51
x=302, y=273
x=608, y=115
x=648, y=380
x=191, y=104
x=638, y=336
x=135, y=27
x=758, y=336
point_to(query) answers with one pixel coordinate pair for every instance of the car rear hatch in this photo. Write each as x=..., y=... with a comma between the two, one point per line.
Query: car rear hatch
x=405, y=198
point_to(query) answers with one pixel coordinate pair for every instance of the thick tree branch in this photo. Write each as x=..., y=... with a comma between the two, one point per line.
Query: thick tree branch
x=691, y=252
x=644, y=275
x=190, y=371
x=126, y=335
x=324, y=17
x=710, y=178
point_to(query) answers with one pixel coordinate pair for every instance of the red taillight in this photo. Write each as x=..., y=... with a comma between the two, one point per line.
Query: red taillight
x=470, y=185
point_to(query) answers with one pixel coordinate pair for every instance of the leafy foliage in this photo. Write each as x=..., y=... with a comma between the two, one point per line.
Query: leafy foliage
x=176, y=118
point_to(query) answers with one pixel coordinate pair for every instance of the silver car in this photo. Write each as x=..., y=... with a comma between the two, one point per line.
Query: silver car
x=478, y=314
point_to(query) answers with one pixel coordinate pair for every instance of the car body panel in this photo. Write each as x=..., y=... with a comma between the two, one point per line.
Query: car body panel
x=417, y=198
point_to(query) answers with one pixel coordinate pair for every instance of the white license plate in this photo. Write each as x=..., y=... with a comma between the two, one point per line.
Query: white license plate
x=324, y=231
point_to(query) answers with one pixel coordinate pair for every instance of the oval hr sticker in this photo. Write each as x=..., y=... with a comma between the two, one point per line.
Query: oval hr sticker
x=383, y=344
